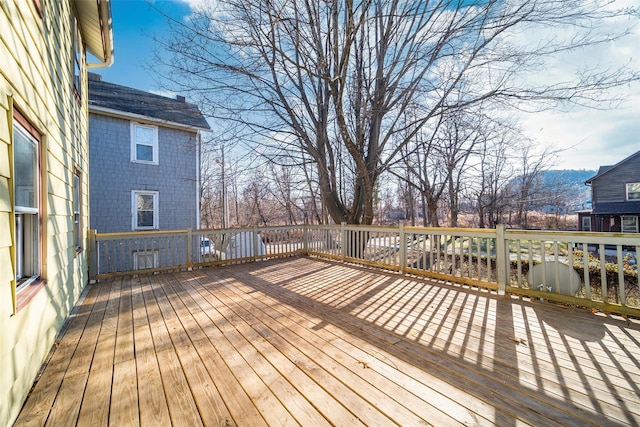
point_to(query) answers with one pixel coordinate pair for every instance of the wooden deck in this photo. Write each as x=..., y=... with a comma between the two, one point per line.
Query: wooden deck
x=303, y=341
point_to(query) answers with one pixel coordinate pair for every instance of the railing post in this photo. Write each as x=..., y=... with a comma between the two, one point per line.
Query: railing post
x=305, y=239
x=255, y=243
x=502, y=259
x=189, y=244
x=93, y=256
x=343, y=237
x=403, y=248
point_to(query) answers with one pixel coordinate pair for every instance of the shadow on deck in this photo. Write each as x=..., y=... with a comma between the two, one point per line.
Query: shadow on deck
x=313, y=342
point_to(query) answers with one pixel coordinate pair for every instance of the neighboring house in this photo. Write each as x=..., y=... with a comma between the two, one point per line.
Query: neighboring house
x=144, y=159
x=615, y=198
x=44, y=163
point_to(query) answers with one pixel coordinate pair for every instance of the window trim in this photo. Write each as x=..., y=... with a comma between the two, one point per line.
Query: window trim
x=27, y=289
x=145, y=253
x=77, y=61
x=622, y=219
x=586, y=219
x=38, y=5
x=134, y=144
x=627, y=185
x=77, y=214
x=134, y=209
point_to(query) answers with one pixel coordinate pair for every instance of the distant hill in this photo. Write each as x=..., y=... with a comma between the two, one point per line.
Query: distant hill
x=573, y=176
x=571, y=181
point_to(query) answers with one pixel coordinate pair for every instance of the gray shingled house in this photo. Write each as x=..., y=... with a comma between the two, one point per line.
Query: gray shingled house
x=144, y=158
x=615, y=198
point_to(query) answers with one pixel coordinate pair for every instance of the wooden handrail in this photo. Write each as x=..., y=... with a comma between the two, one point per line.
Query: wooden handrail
x=500, y=260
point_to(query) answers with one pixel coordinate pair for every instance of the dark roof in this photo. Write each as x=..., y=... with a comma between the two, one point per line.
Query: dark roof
x=605, y=169
x=126, y=99
x=619, y=208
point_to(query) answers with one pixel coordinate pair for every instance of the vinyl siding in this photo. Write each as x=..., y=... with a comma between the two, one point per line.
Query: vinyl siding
x=610, y=187
x=36, y=77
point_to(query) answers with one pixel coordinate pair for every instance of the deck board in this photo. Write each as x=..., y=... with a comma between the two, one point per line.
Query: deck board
x=181, y=402
x=37, y=409
x=94, y=409
x=289, y=335
x=151, y=399
x=304, y=341
x=357, y=363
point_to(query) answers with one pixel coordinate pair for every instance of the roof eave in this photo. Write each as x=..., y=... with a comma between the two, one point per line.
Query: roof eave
x=127, y=115
x=601, y=173
x=96, y=26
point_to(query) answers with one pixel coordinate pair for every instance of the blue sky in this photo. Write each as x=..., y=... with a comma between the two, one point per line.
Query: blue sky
x=590, y=138
x=134, y=23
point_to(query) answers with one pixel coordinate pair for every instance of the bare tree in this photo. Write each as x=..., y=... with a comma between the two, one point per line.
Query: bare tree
x=311, y=210
x=421, y=170
x=283, y=193
x=209, y=198
x=460, y=134
x=257, y=203
x=334, y=78
x=493, y=170
x=527, y=184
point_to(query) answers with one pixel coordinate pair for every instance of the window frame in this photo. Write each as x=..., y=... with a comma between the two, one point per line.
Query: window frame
x=137, y=255
x=77, y=211
x=154, y=144
x=627, y=217
x=38, y=5
x=637, y=191
x=134, y=210
x=77, y=62
x=21, y=232
x=586, y=219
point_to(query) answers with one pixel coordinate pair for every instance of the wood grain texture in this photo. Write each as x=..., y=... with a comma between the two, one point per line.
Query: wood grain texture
x=310, y=342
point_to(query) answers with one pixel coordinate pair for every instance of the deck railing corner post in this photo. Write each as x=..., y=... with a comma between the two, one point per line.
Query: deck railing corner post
x=93, y=256
x=189, y=245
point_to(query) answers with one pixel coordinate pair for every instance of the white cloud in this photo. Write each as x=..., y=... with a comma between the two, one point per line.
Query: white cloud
x=589, y=138
x=165, y=93
x=197, y=5
x=592, y=137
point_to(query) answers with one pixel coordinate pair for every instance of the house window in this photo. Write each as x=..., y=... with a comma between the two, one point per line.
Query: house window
x=145, y=210
x=586, y=223
x=38, y=6
x=633, y=191
x=77, y=59
x=145, y=260
x=144, y=144
x=26, y=164
x=77, y=214
x=629, y=224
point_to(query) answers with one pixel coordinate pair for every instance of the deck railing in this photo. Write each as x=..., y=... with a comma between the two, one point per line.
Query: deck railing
x=594, y=270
